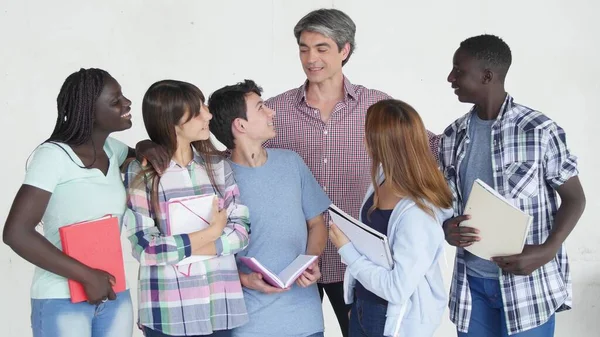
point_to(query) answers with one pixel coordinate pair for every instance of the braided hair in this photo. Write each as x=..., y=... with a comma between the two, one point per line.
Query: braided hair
x=75, y=104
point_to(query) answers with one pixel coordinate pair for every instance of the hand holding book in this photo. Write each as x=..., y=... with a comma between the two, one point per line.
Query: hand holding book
x=98, y=286
x=286, y=277
x=219, y=218
x=337, y=237
x=460, y=236
x=532, y=257
x=256, y=282
x=97, y=245
x=310, y=276
x=501, y=226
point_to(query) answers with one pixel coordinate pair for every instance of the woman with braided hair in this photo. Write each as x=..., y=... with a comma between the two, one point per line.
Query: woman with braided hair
x=74, y=176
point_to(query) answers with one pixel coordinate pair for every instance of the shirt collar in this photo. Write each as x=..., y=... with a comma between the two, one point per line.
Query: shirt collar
x=196, y=158
x=349, y=91
x=505, y=110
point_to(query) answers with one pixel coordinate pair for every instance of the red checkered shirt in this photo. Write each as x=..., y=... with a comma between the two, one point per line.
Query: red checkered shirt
x=334, y=151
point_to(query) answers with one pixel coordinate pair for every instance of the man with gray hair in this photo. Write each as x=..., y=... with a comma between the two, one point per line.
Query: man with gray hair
x=323, y=121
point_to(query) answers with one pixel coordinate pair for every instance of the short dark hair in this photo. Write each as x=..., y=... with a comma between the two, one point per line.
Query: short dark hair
x=490, y=50
x=227, y=104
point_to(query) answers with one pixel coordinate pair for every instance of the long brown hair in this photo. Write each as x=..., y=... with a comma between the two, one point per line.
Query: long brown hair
x=163, y=106
x=397, y=142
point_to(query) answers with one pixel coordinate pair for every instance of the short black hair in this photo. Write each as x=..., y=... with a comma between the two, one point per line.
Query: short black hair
x=491, y=50
x=227, y=104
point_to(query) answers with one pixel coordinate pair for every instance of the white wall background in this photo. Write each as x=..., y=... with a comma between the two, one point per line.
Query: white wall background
x=404, y=48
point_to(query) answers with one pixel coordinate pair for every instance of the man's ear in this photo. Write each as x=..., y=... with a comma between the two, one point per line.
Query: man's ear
x=346, y=51
x=488, y=76
x=238, y=125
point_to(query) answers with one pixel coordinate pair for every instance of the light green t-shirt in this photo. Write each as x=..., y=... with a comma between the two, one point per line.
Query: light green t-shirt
x=78, y=194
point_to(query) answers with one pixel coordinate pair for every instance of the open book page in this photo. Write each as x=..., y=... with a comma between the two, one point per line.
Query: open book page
x=257, y=267
x=286, y=277
x=503, y=228
x=295, y=269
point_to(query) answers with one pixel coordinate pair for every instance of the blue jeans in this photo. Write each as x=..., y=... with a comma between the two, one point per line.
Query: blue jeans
x=367, y=319
x=487, y=316
x=61, y=318
x=220, y=333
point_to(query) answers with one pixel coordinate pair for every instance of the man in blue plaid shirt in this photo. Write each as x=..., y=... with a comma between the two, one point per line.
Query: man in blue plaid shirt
x=524, y=156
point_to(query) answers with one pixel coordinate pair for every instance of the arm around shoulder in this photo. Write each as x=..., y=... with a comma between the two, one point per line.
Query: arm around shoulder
x=149, y=245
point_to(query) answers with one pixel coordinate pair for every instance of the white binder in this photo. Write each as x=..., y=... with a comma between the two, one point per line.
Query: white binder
x=366, y=240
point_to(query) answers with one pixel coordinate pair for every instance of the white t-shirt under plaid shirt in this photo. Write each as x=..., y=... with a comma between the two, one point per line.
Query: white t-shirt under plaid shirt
x=334, y=151
x=530, y=159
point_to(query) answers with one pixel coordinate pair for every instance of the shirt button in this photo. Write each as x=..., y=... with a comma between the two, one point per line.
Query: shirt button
x=325, y=160
x=325, y=188
x=325, y=132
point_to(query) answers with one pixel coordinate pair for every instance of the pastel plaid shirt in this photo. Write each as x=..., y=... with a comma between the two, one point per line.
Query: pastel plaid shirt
x=201, y=297
x=334, y=151
x=530, y=159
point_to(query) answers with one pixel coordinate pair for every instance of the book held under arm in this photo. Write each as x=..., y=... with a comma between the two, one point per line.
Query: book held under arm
x=190, y=214
x=287, y=276
x=97, y=244
x=366, y=240
x=502, y=226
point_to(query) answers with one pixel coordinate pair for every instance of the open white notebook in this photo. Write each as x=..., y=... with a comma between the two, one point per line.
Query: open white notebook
x=366, y=240
x=502, y=226
x=287, y=276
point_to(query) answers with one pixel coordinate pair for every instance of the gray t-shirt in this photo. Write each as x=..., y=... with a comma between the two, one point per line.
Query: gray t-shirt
x=477, y=164
x=281, y=196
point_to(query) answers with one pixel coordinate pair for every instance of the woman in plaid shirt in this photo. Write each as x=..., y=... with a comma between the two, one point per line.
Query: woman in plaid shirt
x=201, y=295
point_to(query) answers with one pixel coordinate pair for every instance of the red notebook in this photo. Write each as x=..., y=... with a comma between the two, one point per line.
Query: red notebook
x=97, y=244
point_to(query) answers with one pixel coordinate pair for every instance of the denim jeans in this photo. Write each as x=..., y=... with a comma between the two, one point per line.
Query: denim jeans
x=220, y=333
x=487, y=316
x=61, y=318
x=367, y=319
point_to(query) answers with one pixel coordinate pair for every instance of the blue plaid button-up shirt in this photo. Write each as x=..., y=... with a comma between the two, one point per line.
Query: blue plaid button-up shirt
x=530, y=159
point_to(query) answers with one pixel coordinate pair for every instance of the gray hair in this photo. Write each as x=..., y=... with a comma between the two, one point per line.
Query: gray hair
x=331, y=23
